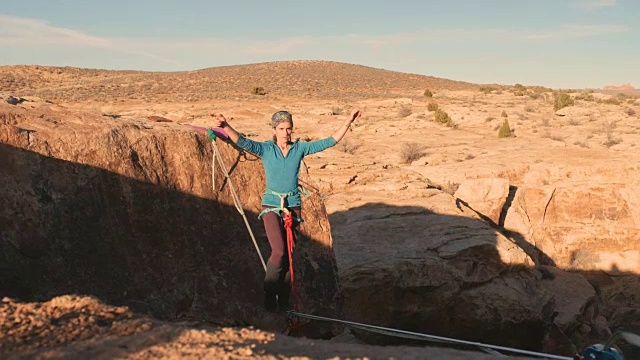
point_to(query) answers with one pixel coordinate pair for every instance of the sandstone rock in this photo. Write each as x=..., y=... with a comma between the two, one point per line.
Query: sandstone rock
x=156, y=118
x=575, y=299
x=572, y=294
x=439, y=272
x=581, y=226
x=590, y=228
x=618, y=296
x=130, y=216
x=486, y=196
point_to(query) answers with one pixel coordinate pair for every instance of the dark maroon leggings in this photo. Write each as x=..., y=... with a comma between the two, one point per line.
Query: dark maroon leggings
x=277, y=235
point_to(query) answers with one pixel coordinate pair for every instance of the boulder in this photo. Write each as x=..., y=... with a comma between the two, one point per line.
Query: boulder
x=436, y=270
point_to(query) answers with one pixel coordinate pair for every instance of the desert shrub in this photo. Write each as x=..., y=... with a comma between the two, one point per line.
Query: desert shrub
x=519, y=87
x=348, y=147
x=612, y=101
x=562, y=100
x=505, y=130
x=411, y=152
x=441, y=116
x=432, y=106
x=504, y=114
x=449, y=187
x=487, y=89
x=541, y=89
x=585, y=96
x=428, y=93
x=608, y=130
x=258, y=90
x=582, y=144
x=630, y=112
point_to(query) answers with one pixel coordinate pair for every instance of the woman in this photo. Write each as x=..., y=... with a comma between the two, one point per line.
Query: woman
x=281, y=159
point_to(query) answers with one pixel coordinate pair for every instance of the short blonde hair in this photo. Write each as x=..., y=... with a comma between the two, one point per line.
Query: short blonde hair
x=280, y=117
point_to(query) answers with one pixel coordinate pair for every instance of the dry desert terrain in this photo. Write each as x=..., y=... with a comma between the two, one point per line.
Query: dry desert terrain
x=426, y=185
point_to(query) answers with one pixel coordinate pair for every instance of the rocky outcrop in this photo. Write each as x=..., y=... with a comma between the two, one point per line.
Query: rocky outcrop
x=578, y=220
x=581, y=226
x=437, y=270
x=444, y=265
x=623, y=87
x=126, y=212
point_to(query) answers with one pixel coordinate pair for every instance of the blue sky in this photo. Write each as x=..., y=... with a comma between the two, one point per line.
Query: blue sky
x=555, y=43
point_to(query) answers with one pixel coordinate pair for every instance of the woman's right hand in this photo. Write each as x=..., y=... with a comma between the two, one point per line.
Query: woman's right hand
x=219, y=120
x=354, y=115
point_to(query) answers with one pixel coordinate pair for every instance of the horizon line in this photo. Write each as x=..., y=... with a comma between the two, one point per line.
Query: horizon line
x=604, y=87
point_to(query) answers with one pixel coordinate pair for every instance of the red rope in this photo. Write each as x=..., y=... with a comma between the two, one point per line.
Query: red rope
x=288, y=225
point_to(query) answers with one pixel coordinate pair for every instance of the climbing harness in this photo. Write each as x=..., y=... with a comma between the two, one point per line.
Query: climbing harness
x=283, y=196
x=594, y=352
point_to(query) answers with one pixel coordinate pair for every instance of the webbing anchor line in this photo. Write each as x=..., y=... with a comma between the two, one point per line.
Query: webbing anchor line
x=234, y=194
x=491, y=349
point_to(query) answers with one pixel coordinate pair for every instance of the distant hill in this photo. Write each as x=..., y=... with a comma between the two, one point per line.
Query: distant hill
x=623, y=87
x=322, y=79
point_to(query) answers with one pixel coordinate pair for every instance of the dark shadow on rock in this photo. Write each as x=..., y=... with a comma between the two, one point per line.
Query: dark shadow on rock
x=71, y=228
x=505, y=209
x=417, y=270
x=78, y=229
x=408, y=268
x=537, y=255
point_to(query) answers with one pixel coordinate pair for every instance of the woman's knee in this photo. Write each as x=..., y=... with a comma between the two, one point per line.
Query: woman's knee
x=277, y=256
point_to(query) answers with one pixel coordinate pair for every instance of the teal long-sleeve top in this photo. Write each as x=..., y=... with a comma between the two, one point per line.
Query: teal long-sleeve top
x=282, y=171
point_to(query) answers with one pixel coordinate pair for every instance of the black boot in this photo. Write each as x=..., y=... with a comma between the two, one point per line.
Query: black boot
x=271, y=287
x=284, y=294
